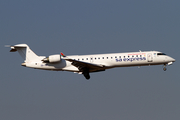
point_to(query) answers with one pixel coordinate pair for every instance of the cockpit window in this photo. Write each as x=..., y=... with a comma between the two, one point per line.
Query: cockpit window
x=161, y=54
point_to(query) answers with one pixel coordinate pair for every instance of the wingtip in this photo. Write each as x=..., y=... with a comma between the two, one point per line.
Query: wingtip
x=63, y=54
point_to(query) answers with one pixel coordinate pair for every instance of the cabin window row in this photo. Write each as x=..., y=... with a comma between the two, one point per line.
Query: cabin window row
x=98, y=58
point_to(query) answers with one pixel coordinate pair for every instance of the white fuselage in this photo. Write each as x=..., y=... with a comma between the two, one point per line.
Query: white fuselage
x=107, y=60
x=85, y=64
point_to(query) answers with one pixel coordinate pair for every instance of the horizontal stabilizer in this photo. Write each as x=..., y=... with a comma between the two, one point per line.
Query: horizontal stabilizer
x=26, y=53
x=13, y=49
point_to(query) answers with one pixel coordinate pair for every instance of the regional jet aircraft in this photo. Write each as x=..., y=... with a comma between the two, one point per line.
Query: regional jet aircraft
x=85, y=64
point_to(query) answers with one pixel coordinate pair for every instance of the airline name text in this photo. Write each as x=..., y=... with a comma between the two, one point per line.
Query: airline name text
x=131, y=59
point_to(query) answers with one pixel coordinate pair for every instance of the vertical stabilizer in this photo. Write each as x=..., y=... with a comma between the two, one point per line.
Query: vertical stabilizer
x=26, y=53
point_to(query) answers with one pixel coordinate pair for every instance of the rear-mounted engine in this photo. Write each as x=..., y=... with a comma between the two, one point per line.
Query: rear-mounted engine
x=52, y=59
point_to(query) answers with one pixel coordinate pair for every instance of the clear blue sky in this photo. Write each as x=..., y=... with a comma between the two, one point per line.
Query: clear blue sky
x=89, y=27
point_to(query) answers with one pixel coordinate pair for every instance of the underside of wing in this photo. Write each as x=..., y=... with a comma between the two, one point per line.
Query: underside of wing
x=84, y=65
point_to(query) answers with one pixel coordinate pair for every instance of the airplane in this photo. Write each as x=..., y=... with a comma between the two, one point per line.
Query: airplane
x=85, y=64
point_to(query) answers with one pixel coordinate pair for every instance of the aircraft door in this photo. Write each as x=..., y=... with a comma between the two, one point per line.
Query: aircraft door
x=150, y=57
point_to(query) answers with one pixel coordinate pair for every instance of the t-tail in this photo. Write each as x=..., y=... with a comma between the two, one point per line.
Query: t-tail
x=26, y=53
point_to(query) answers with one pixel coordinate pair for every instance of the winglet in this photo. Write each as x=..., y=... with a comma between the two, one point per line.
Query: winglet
x=63, y=55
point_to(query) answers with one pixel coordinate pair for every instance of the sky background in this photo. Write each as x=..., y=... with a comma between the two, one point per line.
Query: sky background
x=89, y=27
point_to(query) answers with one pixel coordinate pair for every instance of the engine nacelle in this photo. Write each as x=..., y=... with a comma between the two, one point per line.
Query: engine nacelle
x=52, y=59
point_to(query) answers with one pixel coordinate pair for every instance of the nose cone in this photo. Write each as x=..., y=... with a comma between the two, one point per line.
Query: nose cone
x=173, y=60
x=170, y=60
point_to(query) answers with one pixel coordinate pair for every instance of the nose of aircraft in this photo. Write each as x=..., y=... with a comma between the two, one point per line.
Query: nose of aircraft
x=172, y=59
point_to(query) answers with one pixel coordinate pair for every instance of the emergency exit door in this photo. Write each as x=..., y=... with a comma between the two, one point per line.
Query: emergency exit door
x=150, y=57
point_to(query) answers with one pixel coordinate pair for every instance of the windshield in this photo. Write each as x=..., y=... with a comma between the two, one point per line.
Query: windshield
x=161, y=54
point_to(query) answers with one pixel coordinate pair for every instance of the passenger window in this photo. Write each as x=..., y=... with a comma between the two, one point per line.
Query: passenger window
x=119, y=56
x=107, y=57
x=86, y=58
x=102, y=57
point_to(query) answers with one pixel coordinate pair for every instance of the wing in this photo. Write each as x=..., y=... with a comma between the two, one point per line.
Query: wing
x=84, y=65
